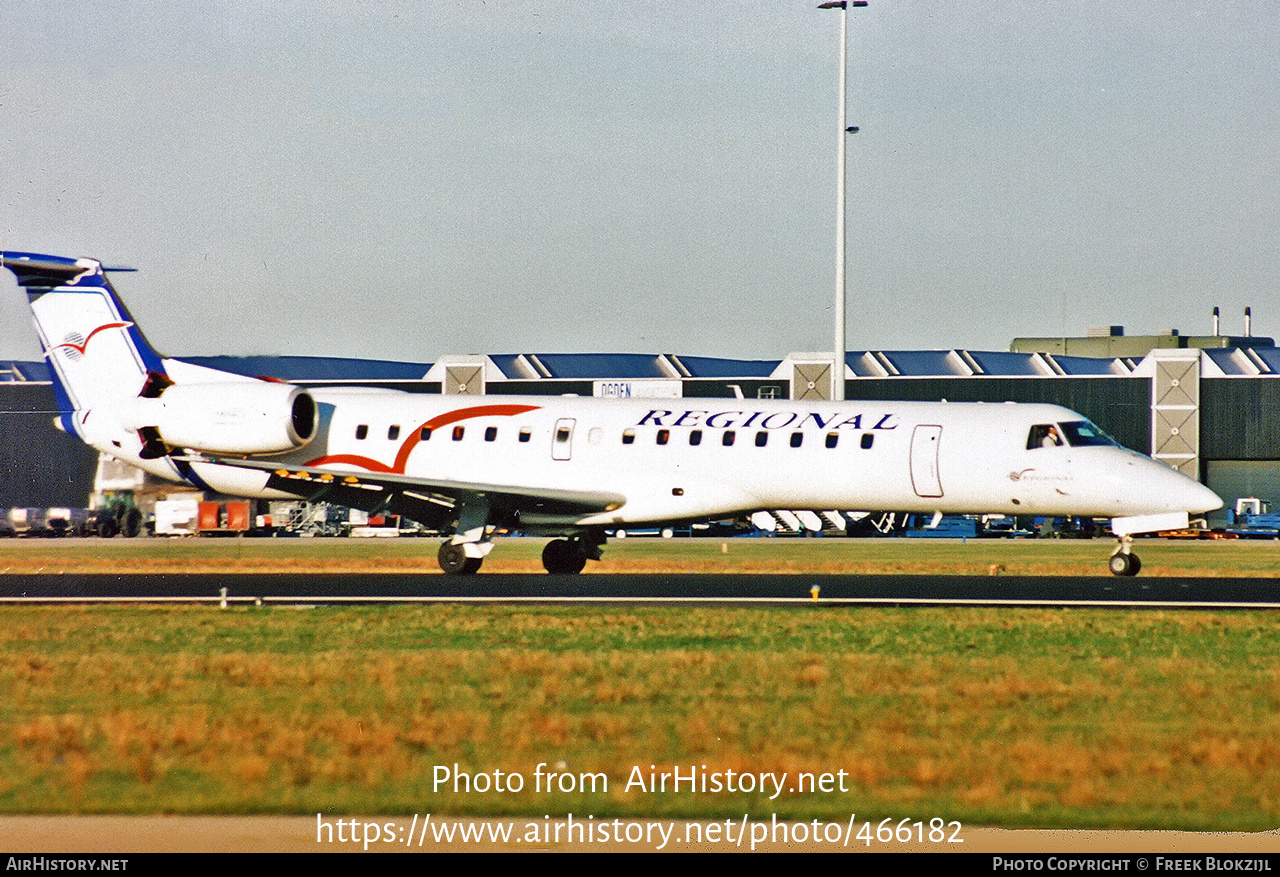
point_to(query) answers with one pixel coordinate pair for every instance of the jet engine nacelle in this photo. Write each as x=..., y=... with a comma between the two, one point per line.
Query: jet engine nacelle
x=241, y=417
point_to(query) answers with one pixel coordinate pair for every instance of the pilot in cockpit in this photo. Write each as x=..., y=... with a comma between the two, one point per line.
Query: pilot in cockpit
x=1044, y=435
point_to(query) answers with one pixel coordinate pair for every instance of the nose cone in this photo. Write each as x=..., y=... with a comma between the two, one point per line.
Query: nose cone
x=1143, y=486
x=1169, y=490
x=1202, y=499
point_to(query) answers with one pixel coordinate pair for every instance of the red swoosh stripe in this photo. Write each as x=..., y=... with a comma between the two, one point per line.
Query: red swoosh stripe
x=81, y=347
x=406, y=448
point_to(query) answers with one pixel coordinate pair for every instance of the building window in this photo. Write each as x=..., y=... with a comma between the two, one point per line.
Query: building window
x=769, y=391
x=362, y=431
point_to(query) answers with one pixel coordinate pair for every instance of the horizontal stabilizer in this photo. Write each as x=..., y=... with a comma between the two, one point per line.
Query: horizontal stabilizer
x=36, y=271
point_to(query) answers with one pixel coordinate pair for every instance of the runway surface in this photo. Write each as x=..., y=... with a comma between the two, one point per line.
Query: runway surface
x=235, y=589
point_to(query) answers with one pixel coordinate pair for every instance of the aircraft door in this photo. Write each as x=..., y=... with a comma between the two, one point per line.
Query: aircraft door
x=924, y=460
x=562, y=439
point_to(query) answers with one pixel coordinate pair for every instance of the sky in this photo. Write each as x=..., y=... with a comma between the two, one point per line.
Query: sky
x=405, y=180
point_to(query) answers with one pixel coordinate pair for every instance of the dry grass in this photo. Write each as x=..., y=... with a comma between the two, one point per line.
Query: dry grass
x=1010, y=717
x=786, y=555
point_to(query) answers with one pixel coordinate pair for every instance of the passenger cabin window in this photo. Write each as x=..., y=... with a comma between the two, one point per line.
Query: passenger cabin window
x=362, y=431
x=426, y=433
x=868, y=439
x=562, y=434
x=727, y=441
x=762, y=439
x=695, y=437
x=525, y=434
x=393, y=432
x=664, y=436
x=833, y=439
x=797, y=439
x=1044, y=435
x=490, y=433
x=458, y=432
x=628, y=436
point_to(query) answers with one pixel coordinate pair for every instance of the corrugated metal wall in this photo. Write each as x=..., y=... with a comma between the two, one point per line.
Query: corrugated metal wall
x=1121, y=406
x=1232, y=479
x=1240, y=418
x=39, y=464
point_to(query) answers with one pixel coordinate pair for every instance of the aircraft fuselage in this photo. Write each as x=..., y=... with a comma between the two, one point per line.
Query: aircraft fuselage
x=693, y=459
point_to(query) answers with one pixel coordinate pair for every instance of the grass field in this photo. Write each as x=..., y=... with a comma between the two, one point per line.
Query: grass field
x=1017, y=718
x=1160, y=557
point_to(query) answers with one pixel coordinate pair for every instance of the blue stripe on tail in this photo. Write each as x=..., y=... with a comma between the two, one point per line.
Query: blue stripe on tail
x=69, y=339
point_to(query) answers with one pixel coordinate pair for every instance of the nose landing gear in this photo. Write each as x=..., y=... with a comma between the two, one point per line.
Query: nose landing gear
x=1123, y=561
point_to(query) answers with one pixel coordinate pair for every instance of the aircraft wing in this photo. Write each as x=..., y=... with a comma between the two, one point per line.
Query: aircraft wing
x=428, y=501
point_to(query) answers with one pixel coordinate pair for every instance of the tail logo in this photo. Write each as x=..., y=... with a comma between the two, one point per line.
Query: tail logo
x=76, y=343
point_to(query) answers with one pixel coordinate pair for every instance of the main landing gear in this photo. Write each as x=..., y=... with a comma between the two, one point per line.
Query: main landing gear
x=560, y=557
x=569, y=556
x=564, y=557
x=1123, y=561
x=453, y=559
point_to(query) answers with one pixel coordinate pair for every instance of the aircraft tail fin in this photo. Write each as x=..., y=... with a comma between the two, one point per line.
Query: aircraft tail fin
x=96, y=353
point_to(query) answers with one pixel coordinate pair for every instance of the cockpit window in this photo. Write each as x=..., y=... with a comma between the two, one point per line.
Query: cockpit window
x=1044, y=435
x=1081, y=433
x=1077, y=433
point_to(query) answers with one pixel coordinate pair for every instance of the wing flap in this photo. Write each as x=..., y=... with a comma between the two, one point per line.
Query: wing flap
x=514, y=499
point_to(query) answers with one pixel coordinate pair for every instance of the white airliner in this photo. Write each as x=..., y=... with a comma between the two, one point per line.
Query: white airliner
x=571, y=468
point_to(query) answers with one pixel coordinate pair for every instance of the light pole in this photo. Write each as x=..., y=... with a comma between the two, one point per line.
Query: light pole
x=837, y=371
